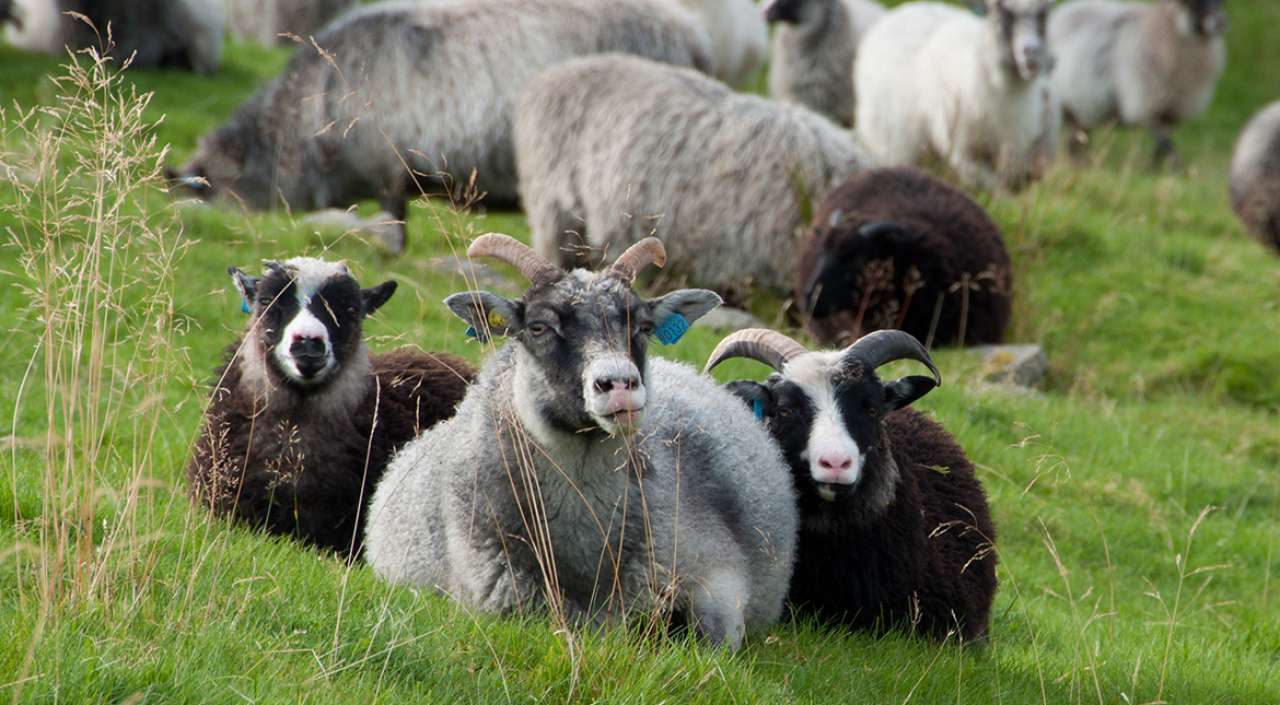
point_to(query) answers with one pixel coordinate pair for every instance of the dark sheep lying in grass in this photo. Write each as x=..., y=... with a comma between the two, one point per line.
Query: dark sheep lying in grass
x=1255, y=176
x=303, y=420
x=181, y=34
x=435, y=98
x=896, y=248
x=894, y=526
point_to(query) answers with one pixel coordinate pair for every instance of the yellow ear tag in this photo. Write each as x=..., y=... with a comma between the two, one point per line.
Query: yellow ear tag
x=497, y=320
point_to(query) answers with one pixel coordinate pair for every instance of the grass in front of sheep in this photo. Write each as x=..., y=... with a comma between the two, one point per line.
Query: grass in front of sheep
x=1116, y=586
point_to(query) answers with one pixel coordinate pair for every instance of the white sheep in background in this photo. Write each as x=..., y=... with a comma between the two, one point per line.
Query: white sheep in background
x=612, y=149
x=814, y=49
x=936, y=80
x=739, y=37
x=1153, y=64
x=581, y=473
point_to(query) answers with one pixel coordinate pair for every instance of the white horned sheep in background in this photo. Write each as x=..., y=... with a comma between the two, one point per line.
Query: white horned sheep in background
x=739, y=37
x=814, y=49
x=612, y=149
x=302, y=420
x=427, y=110
x=264, y=21
x=1255, y=176
x=1152, y=64
x=182, y=34
x=895, y=531
x=937, y=81
x=583, y=475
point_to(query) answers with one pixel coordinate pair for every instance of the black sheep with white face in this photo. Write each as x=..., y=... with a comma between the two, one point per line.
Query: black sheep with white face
x=303, y=420
x=895, y=529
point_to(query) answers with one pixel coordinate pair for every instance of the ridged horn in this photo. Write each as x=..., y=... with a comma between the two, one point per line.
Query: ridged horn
x=640, y=255
x=517, y=254
x=768, y=346
x=885, y=346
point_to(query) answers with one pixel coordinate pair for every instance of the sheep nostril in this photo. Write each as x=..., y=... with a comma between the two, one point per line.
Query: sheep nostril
x=603, y=385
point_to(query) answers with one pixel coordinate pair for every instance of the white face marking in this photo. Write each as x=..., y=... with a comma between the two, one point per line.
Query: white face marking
x=834, y=457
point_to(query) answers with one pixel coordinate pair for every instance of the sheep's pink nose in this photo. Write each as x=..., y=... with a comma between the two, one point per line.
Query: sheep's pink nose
x=837, y=463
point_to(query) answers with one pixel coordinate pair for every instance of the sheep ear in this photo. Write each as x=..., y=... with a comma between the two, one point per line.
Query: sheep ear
x=375, y=297
x=486, y=314
x=246, y=284
x=675, y=312
x=757, y=396
x=902, y=392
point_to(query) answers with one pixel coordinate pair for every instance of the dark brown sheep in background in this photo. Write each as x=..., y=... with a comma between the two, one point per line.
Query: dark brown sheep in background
x=896, y=248
x=303, y=420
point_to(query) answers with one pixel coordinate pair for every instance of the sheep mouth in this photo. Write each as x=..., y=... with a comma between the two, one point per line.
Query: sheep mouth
x=830, y=491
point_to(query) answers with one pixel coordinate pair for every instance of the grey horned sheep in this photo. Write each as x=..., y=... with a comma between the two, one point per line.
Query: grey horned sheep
x=430, y=108
x=1255, y=176
x=612, y=149
x=582, y=475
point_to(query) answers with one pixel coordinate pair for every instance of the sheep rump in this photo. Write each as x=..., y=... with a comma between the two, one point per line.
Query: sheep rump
x=612, y=149
x=1255, y=176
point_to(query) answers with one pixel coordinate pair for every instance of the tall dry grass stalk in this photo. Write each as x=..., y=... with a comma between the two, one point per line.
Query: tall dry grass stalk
x=97, y=252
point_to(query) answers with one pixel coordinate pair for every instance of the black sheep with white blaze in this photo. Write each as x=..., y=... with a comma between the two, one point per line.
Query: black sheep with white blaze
x=898, y=249
x=894, y=526
x=303, y=420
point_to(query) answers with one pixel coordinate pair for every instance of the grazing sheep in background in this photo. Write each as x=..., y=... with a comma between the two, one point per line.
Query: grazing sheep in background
x=1153, y=64
x=263, y=21
x=303, y=420
x=897, y=248
x=937, y=81
x=739, y=37
x=182, y=34
x=1255, y=176
x=894, y=526
x=611, y=149
x=8, y=15
x=437, y=96
x=582, y=475
x=814, y=48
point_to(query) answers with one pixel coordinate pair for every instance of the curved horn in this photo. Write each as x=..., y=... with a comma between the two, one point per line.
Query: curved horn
x=885, y=346
x=640, y=255
x=768, y=346
x=517, y=254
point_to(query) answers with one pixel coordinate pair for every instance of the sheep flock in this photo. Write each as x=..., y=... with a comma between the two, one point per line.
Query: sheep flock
x=574, y=473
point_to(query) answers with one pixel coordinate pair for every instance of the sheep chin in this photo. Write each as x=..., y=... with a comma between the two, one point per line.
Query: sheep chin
x=827, y=491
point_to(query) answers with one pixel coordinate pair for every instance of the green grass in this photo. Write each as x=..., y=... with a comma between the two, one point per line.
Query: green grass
x=1159, y=315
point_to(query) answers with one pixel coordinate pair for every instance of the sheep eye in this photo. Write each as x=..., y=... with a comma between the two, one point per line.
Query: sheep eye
x=538, y=329
x=646, y=328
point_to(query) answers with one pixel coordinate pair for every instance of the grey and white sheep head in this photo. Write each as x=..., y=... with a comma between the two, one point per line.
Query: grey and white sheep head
x=1021, y=34
x=826, y=409
x=582, y=337
x=307, y=316
x=1202, y=18
x=234, y=162
x=793, y=11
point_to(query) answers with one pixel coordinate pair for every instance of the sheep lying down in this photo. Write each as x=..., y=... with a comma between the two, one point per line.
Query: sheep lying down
x=583, y=476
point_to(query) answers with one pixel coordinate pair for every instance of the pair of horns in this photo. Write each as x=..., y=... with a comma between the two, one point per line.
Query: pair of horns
x=776, y=350
x=539, y=271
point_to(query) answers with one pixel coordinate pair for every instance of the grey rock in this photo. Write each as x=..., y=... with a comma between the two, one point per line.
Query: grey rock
x=1020, y=365
x=729, y=320
x=474, y=274
x=384, y=228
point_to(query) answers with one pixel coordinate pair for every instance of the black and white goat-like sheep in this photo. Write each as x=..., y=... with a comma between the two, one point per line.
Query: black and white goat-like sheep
x=1255, y=176
x=582, y=475
x=302, y=419
x=429, y=110
x=897, y=248
x=612, y=149
x=894, y=526
x=180, y=34
x=1152, y=64
x=270, y=22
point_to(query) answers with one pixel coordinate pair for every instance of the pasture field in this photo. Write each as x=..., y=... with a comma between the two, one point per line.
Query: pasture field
x=1137, y=496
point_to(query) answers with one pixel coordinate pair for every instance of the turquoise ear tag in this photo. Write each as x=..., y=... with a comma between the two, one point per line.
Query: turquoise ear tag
x=471, y=332
x=757, y=406
x=672, y=329
x=244, y=306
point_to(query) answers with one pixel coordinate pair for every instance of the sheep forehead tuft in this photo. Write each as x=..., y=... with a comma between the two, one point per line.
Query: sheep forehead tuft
x=310, y=274
x=814, y=371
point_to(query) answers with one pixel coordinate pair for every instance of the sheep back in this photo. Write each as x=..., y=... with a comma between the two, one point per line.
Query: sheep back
x=955, y=278
x=1255, y=176
x=279, y=465
x=612, y=149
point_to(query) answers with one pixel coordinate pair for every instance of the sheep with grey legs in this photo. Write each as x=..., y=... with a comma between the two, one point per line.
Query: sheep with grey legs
x=936, y=81
x=583, y=476
x=264, y=21
x=814, y=48
x=181, y=34
x=430, y=109
x=611, y=149
x=1153, y=64
x=1255, y=176
x=895, y=532
x=302, y=419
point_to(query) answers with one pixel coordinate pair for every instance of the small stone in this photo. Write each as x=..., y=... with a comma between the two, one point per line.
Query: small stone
x=381, y=225
x=729, y=320
x=1019, y=365
x=473, y=273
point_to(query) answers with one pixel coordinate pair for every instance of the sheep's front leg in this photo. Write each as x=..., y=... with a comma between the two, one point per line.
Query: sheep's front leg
x=1165, y=152
x=717, y=603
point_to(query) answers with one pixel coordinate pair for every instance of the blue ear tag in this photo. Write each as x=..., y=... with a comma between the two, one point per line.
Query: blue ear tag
x=471, y=332
x=672, y=329
x=244, y=306
x=758, y=407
